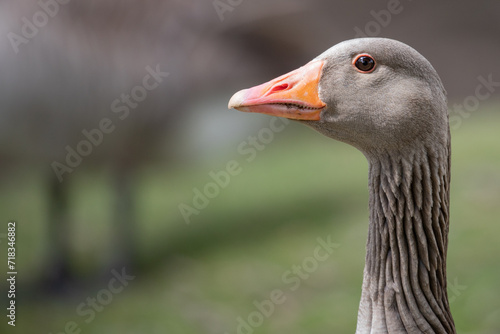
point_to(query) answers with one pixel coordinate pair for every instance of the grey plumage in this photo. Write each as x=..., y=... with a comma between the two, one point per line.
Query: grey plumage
x=396, y=114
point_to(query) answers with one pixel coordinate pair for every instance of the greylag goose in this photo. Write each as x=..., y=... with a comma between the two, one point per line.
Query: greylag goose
x=385, y=99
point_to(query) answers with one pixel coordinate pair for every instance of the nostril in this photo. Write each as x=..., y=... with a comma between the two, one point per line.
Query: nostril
x=278, y=88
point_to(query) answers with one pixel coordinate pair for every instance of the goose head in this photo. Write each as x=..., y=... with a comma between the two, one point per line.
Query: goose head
x=372, y=93
x=384, y=98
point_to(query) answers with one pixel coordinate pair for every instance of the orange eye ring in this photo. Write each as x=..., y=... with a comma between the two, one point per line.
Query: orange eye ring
x=364, y=63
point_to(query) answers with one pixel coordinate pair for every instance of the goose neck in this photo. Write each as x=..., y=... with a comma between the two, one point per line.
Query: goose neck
x=404, y=284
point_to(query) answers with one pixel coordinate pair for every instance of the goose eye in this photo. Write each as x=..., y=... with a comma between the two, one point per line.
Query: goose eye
x=364, y=63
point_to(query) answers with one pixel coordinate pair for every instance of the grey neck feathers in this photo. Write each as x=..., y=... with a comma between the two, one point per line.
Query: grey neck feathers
x=404, y=284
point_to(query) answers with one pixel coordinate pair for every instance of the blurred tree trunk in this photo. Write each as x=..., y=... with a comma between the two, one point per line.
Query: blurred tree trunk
x=60, y=274
x=125, y=252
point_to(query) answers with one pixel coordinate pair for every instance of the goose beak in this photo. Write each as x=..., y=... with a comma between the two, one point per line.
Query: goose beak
x=293, y=95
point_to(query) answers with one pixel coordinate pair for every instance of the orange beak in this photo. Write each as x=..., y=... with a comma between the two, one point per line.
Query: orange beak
x=293, y=95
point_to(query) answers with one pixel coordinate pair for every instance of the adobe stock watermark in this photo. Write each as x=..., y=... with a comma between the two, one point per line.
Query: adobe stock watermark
x=121, y=108
x=30, y=28
x=225, y=6
x=292, y=278
x=381, y=19
x=455, y=290
x=248, y=149
x=483, y=91
x=88, y=309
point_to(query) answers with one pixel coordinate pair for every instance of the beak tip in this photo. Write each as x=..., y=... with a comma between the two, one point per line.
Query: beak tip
x=237, y=100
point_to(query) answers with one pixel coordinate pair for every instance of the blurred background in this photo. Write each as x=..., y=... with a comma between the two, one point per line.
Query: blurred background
x=114, y=124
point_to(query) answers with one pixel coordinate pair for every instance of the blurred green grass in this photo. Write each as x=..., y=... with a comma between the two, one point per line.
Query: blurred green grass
x=209, y=273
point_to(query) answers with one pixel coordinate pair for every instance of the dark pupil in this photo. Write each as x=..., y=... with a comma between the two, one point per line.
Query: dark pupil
x=365, y=63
